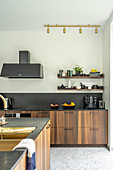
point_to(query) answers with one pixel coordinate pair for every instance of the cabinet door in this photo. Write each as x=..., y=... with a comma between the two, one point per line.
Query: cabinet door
x=69, y=119
x=57, y=118
x=69, y=136
x=57, y=135
x=83, y=119
x=44, y=114
x=47, y=147
x=64, y=136
x=99, y=135
x=42, y=147
x=98, y=119
x=84, y=136
x=38, y=150
x=39, y=114
x=35, y=114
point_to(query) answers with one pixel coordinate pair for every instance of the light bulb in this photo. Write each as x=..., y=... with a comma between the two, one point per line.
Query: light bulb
x=80, y=30
x=64, y=30
x=96, y=30
x=48, y=30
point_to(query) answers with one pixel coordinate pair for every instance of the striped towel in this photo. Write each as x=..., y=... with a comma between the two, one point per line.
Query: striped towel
x=29, y=144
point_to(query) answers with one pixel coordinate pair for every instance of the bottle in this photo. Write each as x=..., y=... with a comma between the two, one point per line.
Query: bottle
x=69, y=84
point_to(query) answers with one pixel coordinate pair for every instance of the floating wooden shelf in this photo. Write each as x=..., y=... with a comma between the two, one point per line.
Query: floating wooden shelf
x=81, y=77
x=82, y=89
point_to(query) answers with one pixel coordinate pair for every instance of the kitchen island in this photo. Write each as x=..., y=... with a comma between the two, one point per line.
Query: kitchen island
x=41, y=136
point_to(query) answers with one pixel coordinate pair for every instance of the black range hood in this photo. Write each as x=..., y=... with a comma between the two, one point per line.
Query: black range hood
x=22, y=70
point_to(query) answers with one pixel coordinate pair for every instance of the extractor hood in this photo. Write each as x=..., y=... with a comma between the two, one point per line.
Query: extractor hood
x=22, y=70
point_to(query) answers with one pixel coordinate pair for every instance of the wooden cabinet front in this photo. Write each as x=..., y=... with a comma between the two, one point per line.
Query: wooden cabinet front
x=98, y=119
x=42, y=144
x=70, y=119
x=40, y=114
x=22, y=163
x=57, y=118
x=47, y=147
x=79, y=127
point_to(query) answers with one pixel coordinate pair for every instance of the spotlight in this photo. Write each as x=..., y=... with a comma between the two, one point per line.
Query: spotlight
x=48, y=30
x=96, y=30
x=80, y=30
x=64, y=30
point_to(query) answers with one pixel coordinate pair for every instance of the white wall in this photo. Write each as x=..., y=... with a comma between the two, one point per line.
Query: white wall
x=55, y=51
x=106, y=70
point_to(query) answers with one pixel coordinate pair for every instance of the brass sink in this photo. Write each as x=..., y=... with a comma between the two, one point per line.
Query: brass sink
x=11, y=136
x=15, y=132
x=16, y=129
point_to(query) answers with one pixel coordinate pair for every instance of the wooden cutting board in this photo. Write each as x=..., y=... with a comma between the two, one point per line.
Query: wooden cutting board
x=1, y=124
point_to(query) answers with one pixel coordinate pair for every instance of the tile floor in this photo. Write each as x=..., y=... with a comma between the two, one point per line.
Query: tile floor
x=81, y=159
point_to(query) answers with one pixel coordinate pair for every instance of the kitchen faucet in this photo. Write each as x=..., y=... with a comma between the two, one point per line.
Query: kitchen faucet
x=4, y=102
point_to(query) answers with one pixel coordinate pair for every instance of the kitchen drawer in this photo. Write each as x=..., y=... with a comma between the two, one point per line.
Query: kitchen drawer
x=57, y=119
x=92, y=119
x=64, y=135
x=84, y=119
x=92, y=136
x=99, y=135
x=70, y=119
x=44, y=114
x=40, y=114
x=79, y=136
x=57, y=135
x=99, y=119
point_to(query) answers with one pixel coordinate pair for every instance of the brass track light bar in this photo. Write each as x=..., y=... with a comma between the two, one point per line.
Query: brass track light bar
x=72, y=25
x=80, y=27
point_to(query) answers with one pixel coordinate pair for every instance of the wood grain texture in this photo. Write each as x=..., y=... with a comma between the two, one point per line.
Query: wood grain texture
x=57, y=118
x=79, y=136
x=8, y=144
x=40, y=114
x=42, y=144
x=57, y=135
x=70, y=119
x=83, y=119
x=47, y=147
x=79, y=127
x=38, y=150
x=99, y=119
x=22, y=163
x=35, y=114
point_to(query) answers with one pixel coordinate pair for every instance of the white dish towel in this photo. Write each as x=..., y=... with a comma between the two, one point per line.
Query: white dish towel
x=29, y=144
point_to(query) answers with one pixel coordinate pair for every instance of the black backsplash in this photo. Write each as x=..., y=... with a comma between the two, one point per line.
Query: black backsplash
x=27, y=100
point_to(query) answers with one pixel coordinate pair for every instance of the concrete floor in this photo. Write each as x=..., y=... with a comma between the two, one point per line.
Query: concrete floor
x=81, y=159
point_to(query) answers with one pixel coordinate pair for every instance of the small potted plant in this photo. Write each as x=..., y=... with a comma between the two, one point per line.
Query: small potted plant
x=78, y=70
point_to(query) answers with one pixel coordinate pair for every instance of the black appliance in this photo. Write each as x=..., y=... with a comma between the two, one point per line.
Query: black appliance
x=22, y=70
x=90, y=102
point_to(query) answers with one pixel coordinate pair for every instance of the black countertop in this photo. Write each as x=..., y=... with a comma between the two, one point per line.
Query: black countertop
x=9, y=159
x=47, y=108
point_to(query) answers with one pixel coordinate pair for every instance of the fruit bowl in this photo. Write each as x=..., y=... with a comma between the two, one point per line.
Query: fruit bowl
x=68, y=106
x=54, y=106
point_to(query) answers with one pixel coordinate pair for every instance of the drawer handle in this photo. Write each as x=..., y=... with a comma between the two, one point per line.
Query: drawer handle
x=68, y=112
x=68, y=129
x=48, y=126
x=94, y=112
x=94, y=129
